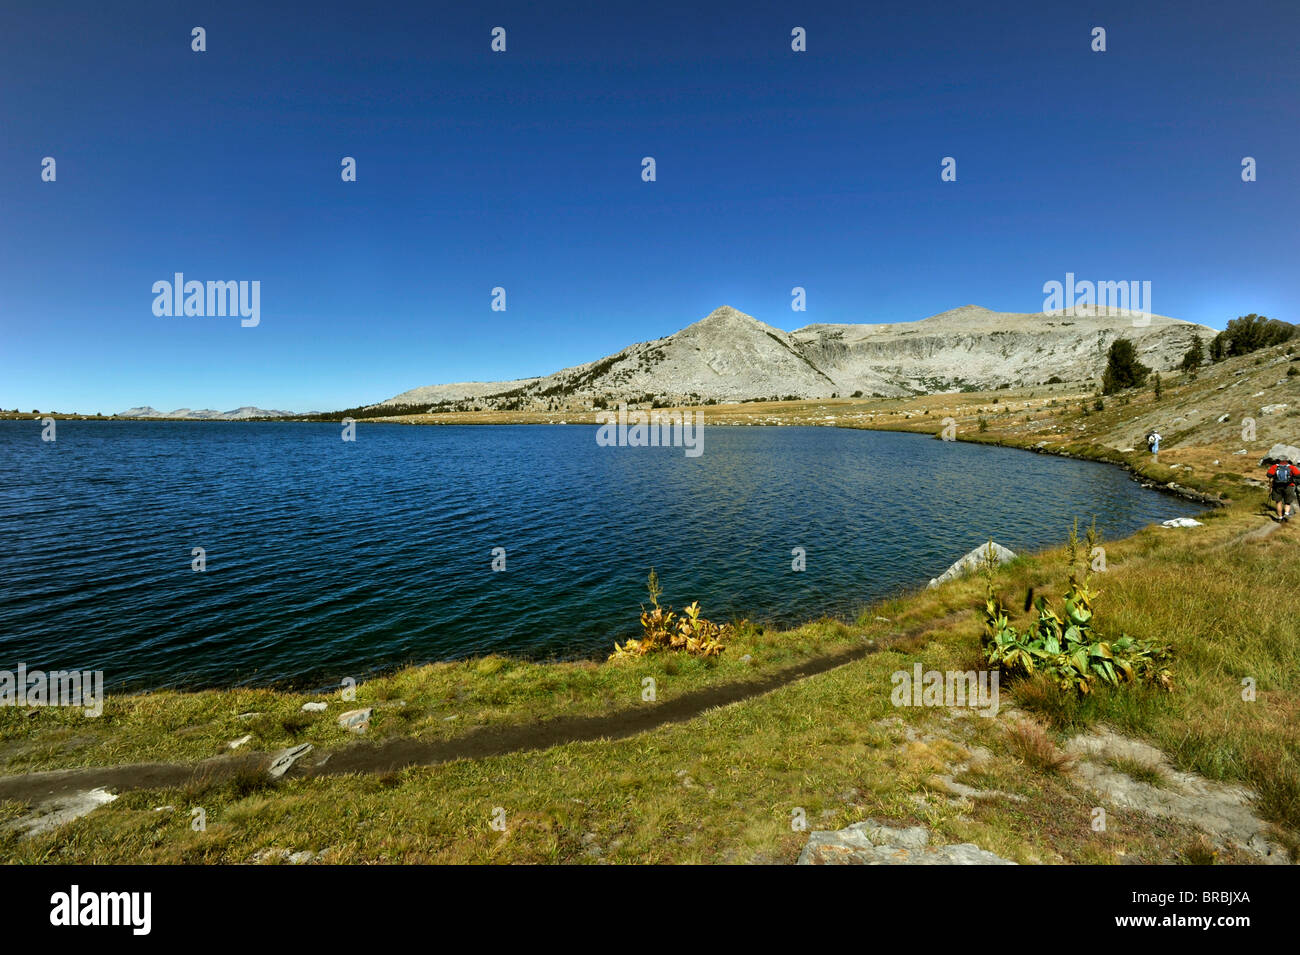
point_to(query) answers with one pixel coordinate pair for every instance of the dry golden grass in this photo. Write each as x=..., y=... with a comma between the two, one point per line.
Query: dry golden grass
x=1036, y=748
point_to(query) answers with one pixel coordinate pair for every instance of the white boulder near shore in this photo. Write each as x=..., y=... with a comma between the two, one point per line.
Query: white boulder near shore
x=1280, y=451
x=973, y=561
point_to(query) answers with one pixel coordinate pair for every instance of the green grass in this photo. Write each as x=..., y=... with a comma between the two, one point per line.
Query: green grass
x=1139, y=771
x=723, y=786
x=438, y=701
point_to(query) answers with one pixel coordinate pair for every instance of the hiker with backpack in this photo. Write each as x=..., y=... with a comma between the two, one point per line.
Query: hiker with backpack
x=1283, y=476
x=1153, y=441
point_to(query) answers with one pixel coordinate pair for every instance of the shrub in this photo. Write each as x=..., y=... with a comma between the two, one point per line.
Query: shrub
x=1065, y=648
x=663, y=629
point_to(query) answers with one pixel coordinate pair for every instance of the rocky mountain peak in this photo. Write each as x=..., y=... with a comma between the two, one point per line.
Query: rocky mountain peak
x=731, y=356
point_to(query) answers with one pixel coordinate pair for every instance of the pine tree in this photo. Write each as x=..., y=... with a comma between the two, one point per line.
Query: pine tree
x=1123, y=370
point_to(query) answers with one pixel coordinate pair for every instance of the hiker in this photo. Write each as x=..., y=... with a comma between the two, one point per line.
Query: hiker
x=1153, y=442
x=1283, y=477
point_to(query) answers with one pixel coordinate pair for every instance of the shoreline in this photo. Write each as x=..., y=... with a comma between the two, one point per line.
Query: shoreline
x=308, y=685
x=1106, y=454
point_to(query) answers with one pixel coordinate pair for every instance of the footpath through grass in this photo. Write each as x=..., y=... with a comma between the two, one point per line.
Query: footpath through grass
x=727, y=785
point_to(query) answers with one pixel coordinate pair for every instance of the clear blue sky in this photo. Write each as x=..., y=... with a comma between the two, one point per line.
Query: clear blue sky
x=522, y=170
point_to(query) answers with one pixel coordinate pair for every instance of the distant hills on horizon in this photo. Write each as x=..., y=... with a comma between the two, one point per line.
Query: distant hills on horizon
x=207, y=414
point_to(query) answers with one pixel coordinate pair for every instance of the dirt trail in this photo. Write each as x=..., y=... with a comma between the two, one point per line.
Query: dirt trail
x=497, y=740
x=396, y=754
x=1258, y=533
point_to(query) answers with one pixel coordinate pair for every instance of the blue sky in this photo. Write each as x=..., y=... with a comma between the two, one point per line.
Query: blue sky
x=522, y=170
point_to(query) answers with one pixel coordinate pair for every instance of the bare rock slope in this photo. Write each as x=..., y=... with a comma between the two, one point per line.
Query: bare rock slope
x=731, y=356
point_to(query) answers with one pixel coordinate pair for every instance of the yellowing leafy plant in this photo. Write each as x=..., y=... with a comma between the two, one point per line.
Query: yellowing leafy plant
x=1063, y=645
x=663, y=629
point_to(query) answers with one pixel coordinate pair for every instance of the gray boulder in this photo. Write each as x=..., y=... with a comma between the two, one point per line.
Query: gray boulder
x=871, y=843
x=59, y=811
x=358, y=721
x=286, y=758
x=974, y=561
x=1277, y=452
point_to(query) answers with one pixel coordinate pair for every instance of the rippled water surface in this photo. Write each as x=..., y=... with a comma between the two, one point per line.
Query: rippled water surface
x=328, y=559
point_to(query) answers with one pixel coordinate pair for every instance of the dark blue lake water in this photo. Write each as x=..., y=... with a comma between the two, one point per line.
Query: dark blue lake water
x=328, y=559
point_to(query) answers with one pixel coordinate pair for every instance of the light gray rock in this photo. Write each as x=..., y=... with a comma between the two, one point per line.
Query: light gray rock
x=974, y=561
x=287, y=757
x=1273, y=409
x=872, y=843
x=1180, y=522
x=1224, y=811
x=358, y=721
x=270, y=856
x=60, y=811
x=242, y=741
x=315, y=707
x=1278, y=451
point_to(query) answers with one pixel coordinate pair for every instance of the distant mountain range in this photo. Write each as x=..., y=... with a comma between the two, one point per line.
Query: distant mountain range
x=207, y=414
x=731, y=356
